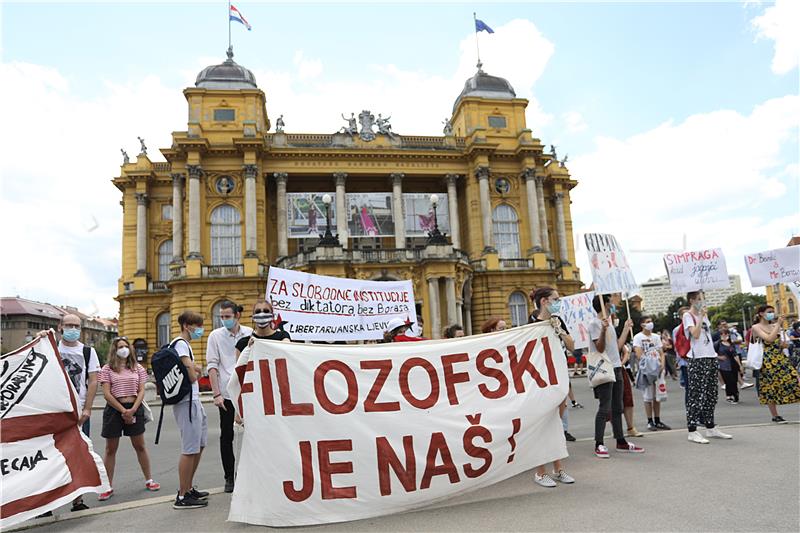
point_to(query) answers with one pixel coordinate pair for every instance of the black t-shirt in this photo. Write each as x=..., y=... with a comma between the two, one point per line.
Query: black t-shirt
x=279, y=335
x=533, y=319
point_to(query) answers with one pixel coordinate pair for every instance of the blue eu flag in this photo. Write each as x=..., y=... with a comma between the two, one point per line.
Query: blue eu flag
x=482, y=26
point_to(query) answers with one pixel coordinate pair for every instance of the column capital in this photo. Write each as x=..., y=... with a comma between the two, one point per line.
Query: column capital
x=250, y=171
x=141, y=198
x=482, y=173
x=559, y=196
x=178, y=178
x=451, y=179
x=195, y=171
x=397, y=178
x=529, y=173
x=340, y=178
x=281, y=177
x=539, y=180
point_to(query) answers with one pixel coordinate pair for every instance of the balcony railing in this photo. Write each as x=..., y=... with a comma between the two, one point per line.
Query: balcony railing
x=515, y=263
x=222, y=271
x=369, y=255
x=177, y=272
x=157, y=286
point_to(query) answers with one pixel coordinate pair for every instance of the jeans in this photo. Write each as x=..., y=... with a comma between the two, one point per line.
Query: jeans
x=565, y=419
x=610, y=396
x=226, y=418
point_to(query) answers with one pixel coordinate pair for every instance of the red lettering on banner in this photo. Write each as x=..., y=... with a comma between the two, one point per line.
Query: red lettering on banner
x=307, y=487
x=406, y=475
x=475, y=431
x=287, y=407
x=423, y=403
x=548, y=359
x=245, y=387
x=267, y=396
x=496, y=373
x=450, y=377
x=327, y=469
x=322, y=395
x=384, y=367
x=438, y=447
x=519, y=367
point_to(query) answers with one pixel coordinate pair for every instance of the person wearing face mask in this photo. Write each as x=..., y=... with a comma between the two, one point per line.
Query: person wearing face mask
x=729, y=366
x=122, y=380
x=777, y=381
x=221, y=360
x=190, y=416
x=702, y=389
x=263, y=317
x=647, y=344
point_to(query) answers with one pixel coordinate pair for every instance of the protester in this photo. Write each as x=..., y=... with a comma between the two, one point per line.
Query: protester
x=453, y=332
x=263, y=315
x=190, y=416
x=669, y=354
x=777, y=381
x=548, y=304
x=604, y=340
x=580, y=362
x=396, y=331
x=729, y=365
x=702, y=390
x=123, y=380
x=627, y=393
x=649, y=352
x=493, y=324
x=221, y=359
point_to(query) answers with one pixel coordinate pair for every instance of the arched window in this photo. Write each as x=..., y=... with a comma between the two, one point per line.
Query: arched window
x=164, y=259
x=506, y=231
x=216, y=321
x=518, y=306
x=791, y=306
x=226, y=236
x=162, y=328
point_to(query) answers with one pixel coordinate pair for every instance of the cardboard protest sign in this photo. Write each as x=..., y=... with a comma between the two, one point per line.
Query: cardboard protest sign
x=695, y=271
x=45, y=460
x=329, y=308
x=610, y=269
x=337, y=433
x=773, y=266
x=577, y=312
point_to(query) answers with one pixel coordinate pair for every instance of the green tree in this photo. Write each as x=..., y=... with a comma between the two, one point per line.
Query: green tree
x=101, y=347
x=731, y=309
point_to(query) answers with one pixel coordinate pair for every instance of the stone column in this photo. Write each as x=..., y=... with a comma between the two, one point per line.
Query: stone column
x=542, y=213
x=141, y=234
x=433, y=308
x=177, y=217
x=250, y=216
x=195, y=171
x=452, y=200
x=399, y=212
x=460, y=313
x=283, y=235
x=486, y=209
x=450, y=294
x=468, y=307
x=529, y=174
x=341, y=208
x=561, y=228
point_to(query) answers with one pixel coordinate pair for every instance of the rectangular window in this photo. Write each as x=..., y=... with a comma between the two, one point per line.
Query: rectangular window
x=497, y=122
x=224, y=115
x=166, y=212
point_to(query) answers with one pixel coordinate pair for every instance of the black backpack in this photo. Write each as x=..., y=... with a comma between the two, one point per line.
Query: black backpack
x=172, y=378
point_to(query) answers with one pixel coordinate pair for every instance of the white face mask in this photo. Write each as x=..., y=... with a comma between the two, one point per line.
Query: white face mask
x=649, y=326
x=615, y=322
x=123, y=352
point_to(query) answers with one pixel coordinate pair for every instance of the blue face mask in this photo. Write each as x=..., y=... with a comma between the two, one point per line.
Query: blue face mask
x=769, y=316
x=197, y=333
x=554, y=307
x=72, y=334
x=612, y=309
x=229, y=322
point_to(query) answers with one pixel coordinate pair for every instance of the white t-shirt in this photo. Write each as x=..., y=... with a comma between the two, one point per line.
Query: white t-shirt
x=221, y=354
x=649, y=344
x=74, y=364
x=185, y=350
x=703, y=346
x=612, y=349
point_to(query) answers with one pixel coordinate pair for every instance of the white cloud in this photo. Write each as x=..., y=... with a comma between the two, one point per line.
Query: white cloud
x=781, y=23
x=574, y=122
x=307, y=68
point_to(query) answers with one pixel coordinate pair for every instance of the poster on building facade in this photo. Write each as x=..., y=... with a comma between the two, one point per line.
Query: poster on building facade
x=610, y=269
x=697, y=271
x=370, y=214
x=773, y=266
x=306, y=215
x=338, y=433
x=419, y=218
x=325, y=308
x=45, y=460
x=577, y=312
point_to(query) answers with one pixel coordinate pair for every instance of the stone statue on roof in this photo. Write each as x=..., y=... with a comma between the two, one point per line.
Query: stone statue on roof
x=279, y=124
x=125, y=158
x=143, y=146
x=351, y=127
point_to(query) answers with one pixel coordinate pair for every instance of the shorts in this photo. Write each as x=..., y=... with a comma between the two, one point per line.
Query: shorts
x=114, y=427
x=649, y=394
x=194, y=433
x=627, y=393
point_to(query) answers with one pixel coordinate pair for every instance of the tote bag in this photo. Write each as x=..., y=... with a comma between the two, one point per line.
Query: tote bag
x=755, y=354
x=599, y=369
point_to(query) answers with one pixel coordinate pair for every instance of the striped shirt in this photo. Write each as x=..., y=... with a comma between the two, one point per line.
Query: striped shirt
x=125, y=382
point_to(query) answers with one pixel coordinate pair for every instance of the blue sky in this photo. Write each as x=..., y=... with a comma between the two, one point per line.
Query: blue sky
x=682, y=92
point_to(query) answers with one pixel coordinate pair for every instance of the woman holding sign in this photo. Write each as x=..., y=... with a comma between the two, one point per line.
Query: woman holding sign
x=777, y=383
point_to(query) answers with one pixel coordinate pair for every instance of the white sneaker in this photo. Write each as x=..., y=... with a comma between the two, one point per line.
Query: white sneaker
x=545, y=480
x=695, y=436
x=717, y=434
x=747, y=385
x=563, y=477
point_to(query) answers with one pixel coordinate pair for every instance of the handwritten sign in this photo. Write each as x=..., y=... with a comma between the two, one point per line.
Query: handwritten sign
x=610, y=269
x=339, y=433
x=577, y=312
x=773, y=266
x=329, y=308
x=695, y=271
x=794, y=286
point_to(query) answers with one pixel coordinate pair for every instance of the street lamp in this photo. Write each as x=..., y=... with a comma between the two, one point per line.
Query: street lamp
x=328, y=239
x=435, y=236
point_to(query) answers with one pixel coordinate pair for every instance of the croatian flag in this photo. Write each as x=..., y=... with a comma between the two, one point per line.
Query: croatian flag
x=238, y=17
x=482, y=26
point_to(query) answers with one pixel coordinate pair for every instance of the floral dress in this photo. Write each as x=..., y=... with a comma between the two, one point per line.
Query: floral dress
x=777, y=382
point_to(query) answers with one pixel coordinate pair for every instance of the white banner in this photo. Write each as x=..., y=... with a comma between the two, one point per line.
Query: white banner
x=695, y=271
x=610, y=269
x=773, y=266
x=794, y=286
x=45, y=460
x=325, y=308
x=577, y=312
x=335, y=433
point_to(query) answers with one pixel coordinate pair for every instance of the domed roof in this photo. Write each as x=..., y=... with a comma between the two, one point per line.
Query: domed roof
x=485, y=86
x=227, y=75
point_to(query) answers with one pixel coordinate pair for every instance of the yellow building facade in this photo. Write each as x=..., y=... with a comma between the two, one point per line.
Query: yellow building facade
x=233, y=198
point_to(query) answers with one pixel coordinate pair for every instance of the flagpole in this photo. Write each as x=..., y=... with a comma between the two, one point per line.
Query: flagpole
x=477, y=46
x=229, y=24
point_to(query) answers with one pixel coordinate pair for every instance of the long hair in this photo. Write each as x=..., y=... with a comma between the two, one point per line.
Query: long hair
x=490, y=324
x=115, y=362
